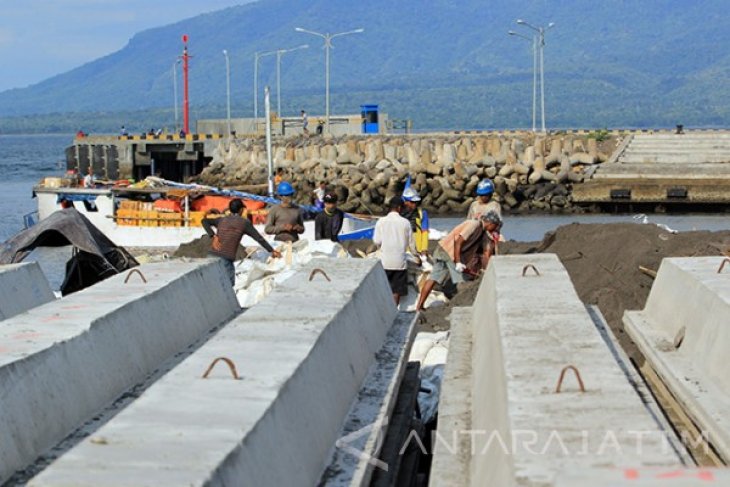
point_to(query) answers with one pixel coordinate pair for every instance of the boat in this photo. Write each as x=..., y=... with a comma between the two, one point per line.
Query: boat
x=157, y=212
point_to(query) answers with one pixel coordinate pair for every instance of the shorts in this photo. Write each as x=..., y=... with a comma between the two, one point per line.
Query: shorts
x=398, y=280
x=444, y=268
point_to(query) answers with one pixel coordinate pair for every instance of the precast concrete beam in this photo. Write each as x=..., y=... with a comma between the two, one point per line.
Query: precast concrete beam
x=301, y=356
x=521, y=430
x=22, y=287
x=683, y=332
x=63, y=362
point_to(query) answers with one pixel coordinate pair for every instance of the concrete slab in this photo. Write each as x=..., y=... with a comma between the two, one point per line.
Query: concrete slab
x=63, y=362
x=302, y=354
x=522, y=432
x=22, y=287
x=683, y=332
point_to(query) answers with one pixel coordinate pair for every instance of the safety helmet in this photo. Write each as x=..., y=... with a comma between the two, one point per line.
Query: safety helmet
x=284, y=189
x=410, y=195
x=485, y=187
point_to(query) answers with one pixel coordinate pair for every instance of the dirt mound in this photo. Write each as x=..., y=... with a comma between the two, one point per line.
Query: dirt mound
x=199, y=248
x=603, y=262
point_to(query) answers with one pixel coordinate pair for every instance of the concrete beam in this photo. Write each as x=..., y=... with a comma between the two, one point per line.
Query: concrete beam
x=683, y=332
x=302, y=354
x=61, y=363
x=521, y=432
x=22, y=287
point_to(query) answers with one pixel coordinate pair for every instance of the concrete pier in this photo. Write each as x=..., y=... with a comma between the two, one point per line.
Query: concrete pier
x=502, y=421
x=301, y=356
x=61, y=363
x=23, y=286
x=684, y=335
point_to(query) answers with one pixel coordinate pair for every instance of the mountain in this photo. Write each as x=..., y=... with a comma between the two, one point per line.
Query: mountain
x=442, y=63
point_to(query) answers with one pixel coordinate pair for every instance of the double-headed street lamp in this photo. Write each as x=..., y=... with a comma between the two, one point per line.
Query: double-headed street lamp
x=280, y=53
x=327, y=46
x=257, y=56
x=228, y=91
x=534, y=75
x=541, y=44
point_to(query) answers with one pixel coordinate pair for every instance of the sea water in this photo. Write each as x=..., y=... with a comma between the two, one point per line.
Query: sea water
x=26, y=159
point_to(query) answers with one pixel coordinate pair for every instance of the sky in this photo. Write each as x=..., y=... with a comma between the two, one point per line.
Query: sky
x=43, y=38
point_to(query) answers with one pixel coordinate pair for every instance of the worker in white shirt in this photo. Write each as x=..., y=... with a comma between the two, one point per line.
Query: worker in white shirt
x=394, y=237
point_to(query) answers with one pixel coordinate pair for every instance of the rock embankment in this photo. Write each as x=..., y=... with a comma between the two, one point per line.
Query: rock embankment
x=531, y=173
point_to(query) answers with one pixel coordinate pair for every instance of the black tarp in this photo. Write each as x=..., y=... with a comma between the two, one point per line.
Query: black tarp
x=95, y=257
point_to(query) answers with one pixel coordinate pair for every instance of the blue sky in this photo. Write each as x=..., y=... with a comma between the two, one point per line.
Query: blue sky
x=42, y=38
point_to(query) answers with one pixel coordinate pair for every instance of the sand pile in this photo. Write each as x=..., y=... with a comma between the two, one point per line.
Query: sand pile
x=603, y=262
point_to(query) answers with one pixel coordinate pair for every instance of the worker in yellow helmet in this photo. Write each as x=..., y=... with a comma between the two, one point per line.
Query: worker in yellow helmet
x=418, y=218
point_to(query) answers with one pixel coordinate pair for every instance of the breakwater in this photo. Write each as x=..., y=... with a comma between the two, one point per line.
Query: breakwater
x=531, y=173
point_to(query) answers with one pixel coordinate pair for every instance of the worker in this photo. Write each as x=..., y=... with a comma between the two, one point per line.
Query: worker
x=484, y=203
x=279, y=176
x=394, y=237
x=285, y=219
x=89, y=179
x=226, y=234
x=417, y=217
x=328, y=223
x=467, y=248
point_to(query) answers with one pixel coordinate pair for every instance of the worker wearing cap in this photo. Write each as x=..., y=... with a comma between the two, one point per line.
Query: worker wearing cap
x=328, y=222
x=418, y=218
x=484, y=203
x=285, y=220
x=467, y=248
x=227, y=236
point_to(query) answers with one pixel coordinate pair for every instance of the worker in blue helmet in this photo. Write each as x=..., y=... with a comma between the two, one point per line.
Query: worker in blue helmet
x=285, y=220
x=484, y=202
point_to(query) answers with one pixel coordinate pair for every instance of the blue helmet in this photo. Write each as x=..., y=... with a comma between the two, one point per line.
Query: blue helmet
x=284, y=189
x=410, y=194
x=485, y=187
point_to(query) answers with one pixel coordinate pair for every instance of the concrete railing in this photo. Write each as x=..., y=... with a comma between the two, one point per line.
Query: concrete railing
x=684, y=334
x=22, y=287
x=523, y=426
x=300, y=357
x=63, y=362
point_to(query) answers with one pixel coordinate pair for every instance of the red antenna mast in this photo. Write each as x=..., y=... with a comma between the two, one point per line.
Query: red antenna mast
x=186, y=99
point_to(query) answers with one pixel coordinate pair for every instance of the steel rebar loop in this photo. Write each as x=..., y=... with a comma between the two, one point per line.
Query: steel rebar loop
x=133, y=271
x=530, y=266
x=229, y=362
x=319, y=271
x=722, y=265
x=562, y=376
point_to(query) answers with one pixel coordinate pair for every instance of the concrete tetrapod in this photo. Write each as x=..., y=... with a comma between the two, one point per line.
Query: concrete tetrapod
x=301, y=354
x=63, y=362
x=516, y=430
x=683, y=332
x=22, y=287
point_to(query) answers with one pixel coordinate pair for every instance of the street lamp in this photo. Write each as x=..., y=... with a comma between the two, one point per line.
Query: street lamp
x=257, y=56
x=534, y=75
x=327, y=46
x=541, y=43
x=174, y=92
x=279, y=53
x=228, y=90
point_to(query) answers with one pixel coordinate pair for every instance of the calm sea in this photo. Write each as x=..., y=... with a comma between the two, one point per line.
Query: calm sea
x=26, y=159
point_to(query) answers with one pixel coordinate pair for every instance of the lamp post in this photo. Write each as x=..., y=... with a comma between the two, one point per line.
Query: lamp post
x=257, y=56
x=279, y=53
x=228, y=90
x=327, y=46
x=541, y=43
x=534, y=75
x=174, y=93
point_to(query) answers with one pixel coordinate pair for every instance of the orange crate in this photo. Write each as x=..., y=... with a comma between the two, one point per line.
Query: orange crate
x=170, y=219
x=127, y=217
x=196, y=218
